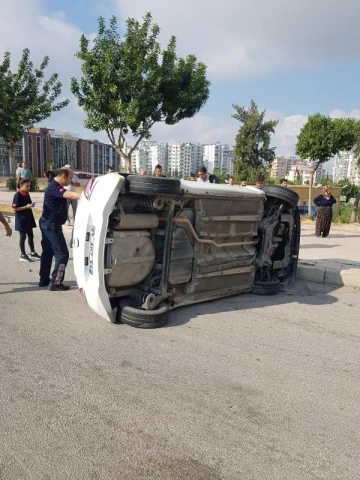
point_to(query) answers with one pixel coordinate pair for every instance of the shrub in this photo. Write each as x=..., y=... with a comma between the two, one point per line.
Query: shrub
x=344, y=214
x=11, y=183
x=34, y=186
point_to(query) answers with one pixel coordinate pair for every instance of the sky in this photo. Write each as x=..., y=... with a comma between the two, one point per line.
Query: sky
x=293, y=58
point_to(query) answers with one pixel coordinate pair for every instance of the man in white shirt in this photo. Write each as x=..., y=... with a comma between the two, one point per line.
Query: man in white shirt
x=203, y=176
x=72, y=188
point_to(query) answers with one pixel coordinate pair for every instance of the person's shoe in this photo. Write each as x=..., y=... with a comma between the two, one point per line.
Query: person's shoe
x=58, y=288
x=34, y=255
x=44, y=283
x=71, y=244
x=24, y=258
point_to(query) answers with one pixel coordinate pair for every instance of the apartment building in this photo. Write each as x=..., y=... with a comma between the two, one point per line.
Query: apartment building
x=345, y=168
x=5, y=163
x=302, y=171
x=216, y=157
x=158, y=155
x=231, y=162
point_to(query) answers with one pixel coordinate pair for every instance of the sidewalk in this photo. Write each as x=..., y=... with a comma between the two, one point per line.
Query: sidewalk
x=334, y=260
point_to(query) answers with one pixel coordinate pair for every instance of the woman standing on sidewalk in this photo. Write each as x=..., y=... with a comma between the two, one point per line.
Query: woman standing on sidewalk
x=324, y=214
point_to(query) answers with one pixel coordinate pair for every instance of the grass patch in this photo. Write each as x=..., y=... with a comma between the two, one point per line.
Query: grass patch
x=7, y=209
x=344, y=214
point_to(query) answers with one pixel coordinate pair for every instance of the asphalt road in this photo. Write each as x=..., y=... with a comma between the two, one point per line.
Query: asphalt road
x=244, y=388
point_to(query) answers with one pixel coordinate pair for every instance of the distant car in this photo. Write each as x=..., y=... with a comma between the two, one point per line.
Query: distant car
x=144, y=245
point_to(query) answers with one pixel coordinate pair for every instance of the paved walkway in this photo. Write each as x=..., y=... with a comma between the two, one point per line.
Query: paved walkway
x=334, y=260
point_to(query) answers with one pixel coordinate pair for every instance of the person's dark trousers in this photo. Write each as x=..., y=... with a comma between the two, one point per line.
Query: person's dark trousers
x=53, y=245
x=30, y=236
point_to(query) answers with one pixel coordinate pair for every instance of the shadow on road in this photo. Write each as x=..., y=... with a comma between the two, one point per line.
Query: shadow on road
x=31, y=287
x=314, y=245
x=300, y=293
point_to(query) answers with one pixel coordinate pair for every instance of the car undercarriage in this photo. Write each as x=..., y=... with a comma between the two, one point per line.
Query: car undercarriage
x=170, y=243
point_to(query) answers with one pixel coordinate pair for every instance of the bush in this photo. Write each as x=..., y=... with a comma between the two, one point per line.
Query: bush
x=344, y=214
x=34, y=186
x=11, y=184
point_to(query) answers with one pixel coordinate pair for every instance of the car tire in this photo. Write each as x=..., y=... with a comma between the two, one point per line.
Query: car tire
x=267, y=287
x=135, y=317
x=153, y=185
x=282, y=193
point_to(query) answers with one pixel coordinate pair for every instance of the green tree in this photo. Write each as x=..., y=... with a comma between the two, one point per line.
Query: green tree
x=130, y=83
x=252, y=142
x=221, y=176
x=323, y=137
x=26, y=98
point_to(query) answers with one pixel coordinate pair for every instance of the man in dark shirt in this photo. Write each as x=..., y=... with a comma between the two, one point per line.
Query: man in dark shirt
x=53, y=241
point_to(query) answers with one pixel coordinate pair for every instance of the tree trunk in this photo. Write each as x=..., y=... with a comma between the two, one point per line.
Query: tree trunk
x=355, y=209
x=12, y=161
x=310, y=190
x=310, y=196
x=127, y=164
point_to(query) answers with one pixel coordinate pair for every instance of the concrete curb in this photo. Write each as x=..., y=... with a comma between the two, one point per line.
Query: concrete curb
x=312, y=272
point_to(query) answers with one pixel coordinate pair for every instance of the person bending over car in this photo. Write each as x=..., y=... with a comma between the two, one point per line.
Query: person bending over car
x=53, y=241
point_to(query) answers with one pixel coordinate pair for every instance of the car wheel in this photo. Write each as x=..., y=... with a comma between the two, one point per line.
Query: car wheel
x=282, y=193
x=135, y=317
x=153, y=185
x=266, y=287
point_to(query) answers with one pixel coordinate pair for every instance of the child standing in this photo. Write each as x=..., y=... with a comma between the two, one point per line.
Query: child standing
x=24, y=220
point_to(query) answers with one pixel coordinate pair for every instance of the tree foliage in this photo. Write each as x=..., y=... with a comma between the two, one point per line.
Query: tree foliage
x=323, y=137
x=252, y=142
x=131, y=83
x=26, y=98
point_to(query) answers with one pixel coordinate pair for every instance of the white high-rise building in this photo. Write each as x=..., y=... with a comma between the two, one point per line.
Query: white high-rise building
x=231, y=162
x=211, y=154
x=345, y=168
x=353, y=171
x=216, y=157
x=198, y=159
x=281, y=166
x=224, y=158
x=158, y=155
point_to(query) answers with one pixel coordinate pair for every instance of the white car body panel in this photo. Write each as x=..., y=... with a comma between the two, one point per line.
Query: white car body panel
x=221, y=190
x=92, y=220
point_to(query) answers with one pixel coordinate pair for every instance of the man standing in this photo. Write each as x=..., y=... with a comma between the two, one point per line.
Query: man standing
x=72, y=188
x=53, y=241
x=22, y=173
x=6, y=225
x=260, y=182
x=204, y=177
x=283, y=182
x=158, y=171
x=231, y=180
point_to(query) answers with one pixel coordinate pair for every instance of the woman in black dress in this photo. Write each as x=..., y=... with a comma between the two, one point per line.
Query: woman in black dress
x=324, y=202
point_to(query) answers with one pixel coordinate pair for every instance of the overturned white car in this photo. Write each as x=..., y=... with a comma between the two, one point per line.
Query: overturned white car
x=143, y=245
